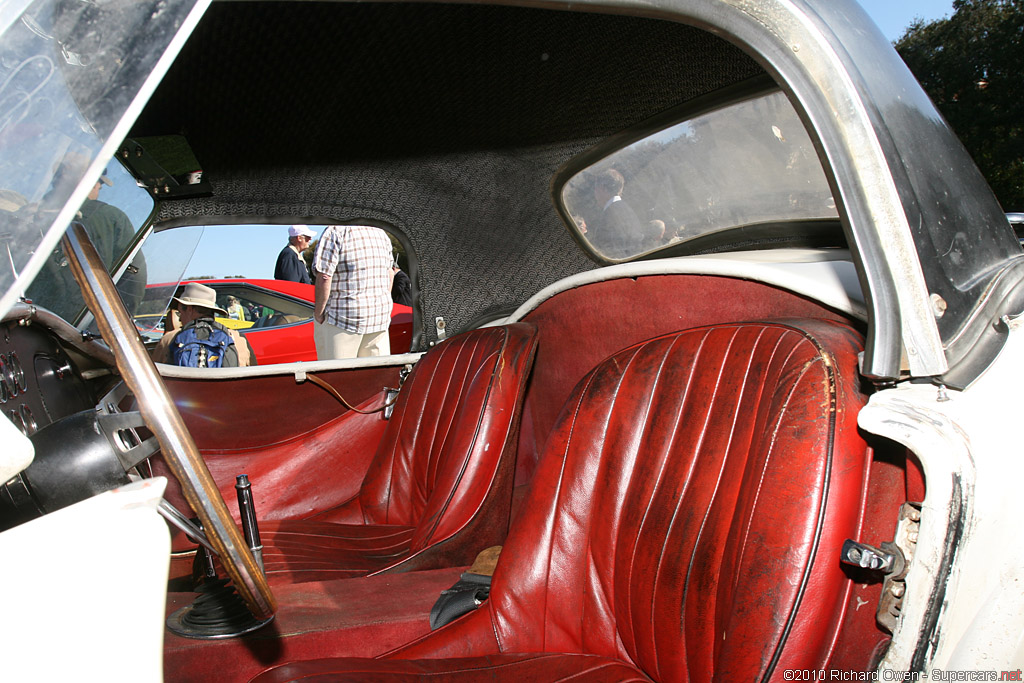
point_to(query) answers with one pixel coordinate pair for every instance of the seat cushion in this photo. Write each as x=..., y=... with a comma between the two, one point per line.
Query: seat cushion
x=690, y=506
x=296, y=552
x=439, y=488
x=687, y=515
x=535, y=668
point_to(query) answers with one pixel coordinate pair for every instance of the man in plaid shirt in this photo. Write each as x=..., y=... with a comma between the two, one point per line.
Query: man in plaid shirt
x=353, y=292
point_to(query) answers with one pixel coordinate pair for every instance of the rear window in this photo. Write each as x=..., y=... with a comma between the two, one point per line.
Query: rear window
x=749, y=163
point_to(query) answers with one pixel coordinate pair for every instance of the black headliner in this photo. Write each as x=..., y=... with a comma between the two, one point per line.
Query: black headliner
x=446, y=121
x=264, y=83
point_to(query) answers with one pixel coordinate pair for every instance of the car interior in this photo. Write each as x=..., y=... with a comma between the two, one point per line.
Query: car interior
x=667, y=453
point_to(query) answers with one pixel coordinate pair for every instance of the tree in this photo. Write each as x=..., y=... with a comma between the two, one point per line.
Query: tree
x=972, y=66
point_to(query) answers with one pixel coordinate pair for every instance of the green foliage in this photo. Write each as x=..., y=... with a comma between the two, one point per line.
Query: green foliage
x=972, y=66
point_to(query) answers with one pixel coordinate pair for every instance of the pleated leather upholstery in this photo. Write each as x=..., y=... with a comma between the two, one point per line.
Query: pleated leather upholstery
x=523, y=668
x=685, y=519
x=439, y=488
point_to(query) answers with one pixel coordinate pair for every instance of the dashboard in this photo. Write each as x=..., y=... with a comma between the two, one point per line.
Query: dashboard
x=48, y=372
x=38, y=382
x=13, y=383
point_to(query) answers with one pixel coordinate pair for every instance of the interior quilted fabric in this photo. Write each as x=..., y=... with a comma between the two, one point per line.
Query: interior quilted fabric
x=445, y=121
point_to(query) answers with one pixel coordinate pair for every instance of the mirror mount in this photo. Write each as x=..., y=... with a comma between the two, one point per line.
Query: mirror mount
x=166, y=166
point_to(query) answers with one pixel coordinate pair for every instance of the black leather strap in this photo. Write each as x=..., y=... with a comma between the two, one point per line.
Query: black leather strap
x=463, y=597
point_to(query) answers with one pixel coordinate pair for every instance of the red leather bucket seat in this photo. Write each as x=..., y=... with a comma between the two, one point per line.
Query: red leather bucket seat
x=684, y=524
x=439, y=488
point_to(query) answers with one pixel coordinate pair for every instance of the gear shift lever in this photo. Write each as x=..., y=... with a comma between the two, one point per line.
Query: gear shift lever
x=247, y=510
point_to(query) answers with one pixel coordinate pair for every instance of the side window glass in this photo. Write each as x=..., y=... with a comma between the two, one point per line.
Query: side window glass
x=257, y=308
x=724, y=177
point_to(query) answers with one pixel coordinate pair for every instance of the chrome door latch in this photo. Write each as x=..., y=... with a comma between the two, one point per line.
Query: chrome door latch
x=892, y=559
x=888, y=559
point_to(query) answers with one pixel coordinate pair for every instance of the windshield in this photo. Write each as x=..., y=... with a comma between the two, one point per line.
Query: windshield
x=747, y=164
x=149, y=277
x=113, y=214
x=69, y=71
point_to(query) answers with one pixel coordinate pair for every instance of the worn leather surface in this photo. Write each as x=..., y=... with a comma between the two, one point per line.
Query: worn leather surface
x=439, y=488
x=303, y=451
x=276, y=409
x=301, y=476
x=359, y=617
x=581, y=327
x=685, y=519
x=515, y=667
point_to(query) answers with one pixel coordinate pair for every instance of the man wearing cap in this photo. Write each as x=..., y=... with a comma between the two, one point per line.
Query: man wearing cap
x=199, y=303
x=290, y=265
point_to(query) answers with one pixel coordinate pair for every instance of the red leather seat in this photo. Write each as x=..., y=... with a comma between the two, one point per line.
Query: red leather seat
x=684, y=523
x=439, y=489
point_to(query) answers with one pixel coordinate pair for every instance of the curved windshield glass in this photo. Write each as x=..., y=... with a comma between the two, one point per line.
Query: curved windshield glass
x=116, y=210
x=152, y=276
x=69, y=70
x=749, y=163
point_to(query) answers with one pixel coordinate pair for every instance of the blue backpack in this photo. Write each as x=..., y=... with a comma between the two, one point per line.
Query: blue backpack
x=204, y=344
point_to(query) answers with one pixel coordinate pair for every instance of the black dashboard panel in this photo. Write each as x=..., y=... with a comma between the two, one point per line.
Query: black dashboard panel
x=39, y=384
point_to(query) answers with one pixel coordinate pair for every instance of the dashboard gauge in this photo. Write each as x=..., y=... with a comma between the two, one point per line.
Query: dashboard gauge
x=28, y=420
x=17, y=373
x=9, y=378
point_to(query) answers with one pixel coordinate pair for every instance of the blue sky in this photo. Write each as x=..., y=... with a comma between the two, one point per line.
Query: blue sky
x=241, y=250
x=894, y=16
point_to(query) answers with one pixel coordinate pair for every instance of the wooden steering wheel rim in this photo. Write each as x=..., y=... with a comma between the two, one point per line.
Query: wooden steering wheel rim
x=163, y=419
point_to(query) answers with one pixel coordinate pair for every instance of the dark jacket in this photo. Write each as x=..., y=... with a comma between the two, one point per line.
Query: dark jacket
x=401, y=289
x=291, y=268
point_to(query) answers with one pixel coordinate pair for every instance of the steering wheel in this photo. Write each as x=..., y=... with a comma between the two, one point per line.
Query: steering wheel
x=163, y=419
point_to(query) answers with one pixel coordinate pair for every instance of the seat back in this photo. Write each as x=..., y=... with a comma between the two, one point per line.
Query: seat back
x=689, y=509
x=446, y=462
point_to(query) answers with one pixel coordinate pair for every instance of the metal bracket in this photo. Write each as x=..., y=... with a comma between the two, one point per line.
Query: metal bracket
x=887, y=560
x=890, y=605
x=391, y=394
x=892, y=559
x=440, y=324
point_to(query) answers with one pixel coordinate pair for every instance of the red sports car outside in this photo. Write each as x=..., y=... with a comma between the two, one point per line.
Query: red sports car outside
x=275, y=316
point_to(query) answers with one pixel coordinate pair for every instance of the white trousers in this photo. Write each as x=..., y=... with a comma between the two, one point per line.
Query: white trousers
x=334, y=342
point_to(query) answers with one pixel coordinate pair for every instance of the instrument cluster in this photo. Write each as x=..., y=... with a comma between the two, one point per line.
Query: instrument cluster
x=13, y=384
x=38, y=382
x=39, y=385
